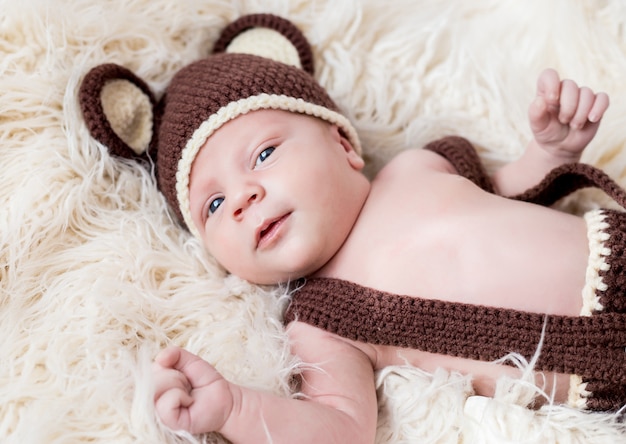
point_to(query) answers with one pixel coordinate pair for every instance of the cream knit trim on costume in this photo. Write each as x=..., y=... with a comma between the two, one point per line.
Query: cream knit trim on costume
x=597, y=235
x=578, y=393
x=238, y=108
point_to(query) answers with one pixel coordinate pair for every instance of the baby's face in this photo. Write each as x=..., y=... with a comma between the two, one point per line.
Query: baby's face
x=275, y=194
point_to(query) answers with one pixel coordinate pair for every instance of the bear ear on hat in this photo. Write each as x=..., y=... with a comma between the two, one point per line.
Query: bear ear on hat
x=268, y=36
x=120, y=111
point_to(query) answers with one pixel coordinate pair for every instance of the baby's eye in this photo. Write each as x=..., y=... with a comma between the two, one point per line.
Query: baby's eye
x=267, y=152
x=215, y=204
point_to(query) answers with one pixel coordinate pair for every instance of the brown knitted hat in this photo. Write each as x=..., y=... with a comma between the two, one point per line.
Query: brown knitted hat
x=260, y=61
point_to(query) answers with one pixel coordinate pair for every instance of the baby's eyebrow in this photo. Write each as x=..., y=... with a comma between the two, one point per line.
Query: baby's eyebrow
x=201, y=185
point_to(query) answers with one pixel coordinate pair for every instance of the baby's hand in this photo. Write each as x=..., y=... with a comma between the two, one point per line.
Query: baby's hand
x=564, y=118
x=189, y=393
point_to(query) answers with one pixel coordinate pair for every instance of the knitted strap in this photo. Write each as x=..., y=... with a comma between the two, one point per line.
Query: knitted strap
x=565, y=179
x=558, y=183
x=603, y=395
x=464, y=158
x=590, y=346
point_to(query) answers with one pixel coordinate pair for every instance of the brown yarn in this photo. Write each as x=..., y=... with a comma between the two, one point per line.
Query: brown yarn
x=590, y=346
x=283, y=26
x=566, y=179
x=89, y=97
x=464, y=158
x=613, y=298
x=199, y=90
x=558, y=183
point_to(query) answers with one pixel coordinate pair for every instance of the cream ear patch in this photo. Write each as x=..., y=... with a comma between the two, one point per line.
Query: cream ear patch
x=266, y=43
x=129, y=112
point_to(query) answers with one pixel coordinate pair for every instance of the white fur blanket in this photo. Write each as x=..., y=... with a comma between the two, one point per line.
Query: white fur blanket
x=95, y=277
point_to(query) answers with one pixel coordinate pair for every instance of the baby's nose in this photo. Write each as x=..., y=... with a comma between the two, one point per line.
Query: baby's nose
x=249, y=195
x=241, y=208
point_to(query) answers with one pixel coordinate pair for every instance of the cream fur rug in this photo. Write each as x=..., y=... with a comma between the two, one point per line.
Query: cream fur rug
x=95, y=277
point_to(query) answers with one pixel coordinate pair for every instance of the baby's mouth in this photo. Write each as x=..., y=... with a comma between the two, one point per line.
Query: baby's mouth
x=269, y=230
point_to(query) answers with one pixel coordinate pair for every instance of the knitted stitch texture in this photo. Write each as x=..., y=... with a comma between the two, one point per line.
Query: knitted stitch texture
x=89, y=97
x=201, y=89
x=613, y=298
x=589, y=346
x=462, y=155
x=284, y=27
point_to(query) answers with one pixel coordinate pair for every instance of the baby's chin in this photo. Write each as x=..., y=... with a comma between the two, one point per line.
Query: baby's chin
x=297, y=263
x=275, y=277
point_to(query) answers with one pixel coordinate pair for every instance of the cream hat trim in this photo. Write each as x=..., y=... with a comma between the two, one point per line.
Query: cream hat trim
x=266, y=43
x=235, y=109
x=597, y=235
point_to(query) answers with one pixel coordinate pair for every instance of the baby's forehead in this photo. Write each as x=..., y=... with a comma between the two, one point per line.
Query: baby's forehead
x=256, y=124
x=239, y=131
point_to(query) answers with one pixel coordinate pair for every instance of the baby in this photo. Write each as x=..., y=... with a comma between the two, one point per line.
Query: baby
x=427, y=263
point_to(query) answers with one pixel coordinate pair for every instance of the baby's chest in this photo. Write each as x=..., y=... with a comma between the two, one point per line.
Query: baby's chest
x=453, y=241
x=415, y=240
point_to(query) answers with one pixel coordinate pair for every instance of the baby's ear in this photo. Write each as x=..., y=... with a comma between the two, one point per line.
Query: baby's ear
x=119, y=110
x=354, y=159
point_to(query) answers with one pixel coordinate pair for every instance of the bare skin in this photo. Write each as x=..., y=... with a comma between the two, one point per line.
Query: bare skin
x=416, y=218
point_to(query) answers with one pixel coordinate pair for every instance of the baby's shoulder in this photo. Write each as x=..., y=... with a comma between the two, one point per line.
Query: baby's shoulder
x=416, y=160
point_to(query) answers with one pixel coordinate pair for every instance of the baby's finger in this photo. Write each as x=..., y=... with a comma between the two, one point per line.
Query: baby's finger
x=172, y=408
x=569, y=101
x=165, y=379
x=548, y=86
x=197, y=371
x=600, y=105
x=173, y=399
x=168, y=357
x=538, y=115
x=586, y=99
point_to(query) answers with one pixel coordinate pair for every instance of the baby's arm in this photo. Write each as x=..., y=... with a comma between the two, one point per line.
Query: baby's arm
x=340, y=403
x=564, y=118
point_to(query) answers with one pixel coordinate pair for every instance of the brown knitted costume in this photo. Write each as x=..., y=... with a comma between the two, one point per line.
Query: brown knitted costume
x=591, y=347
x=272, y=69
